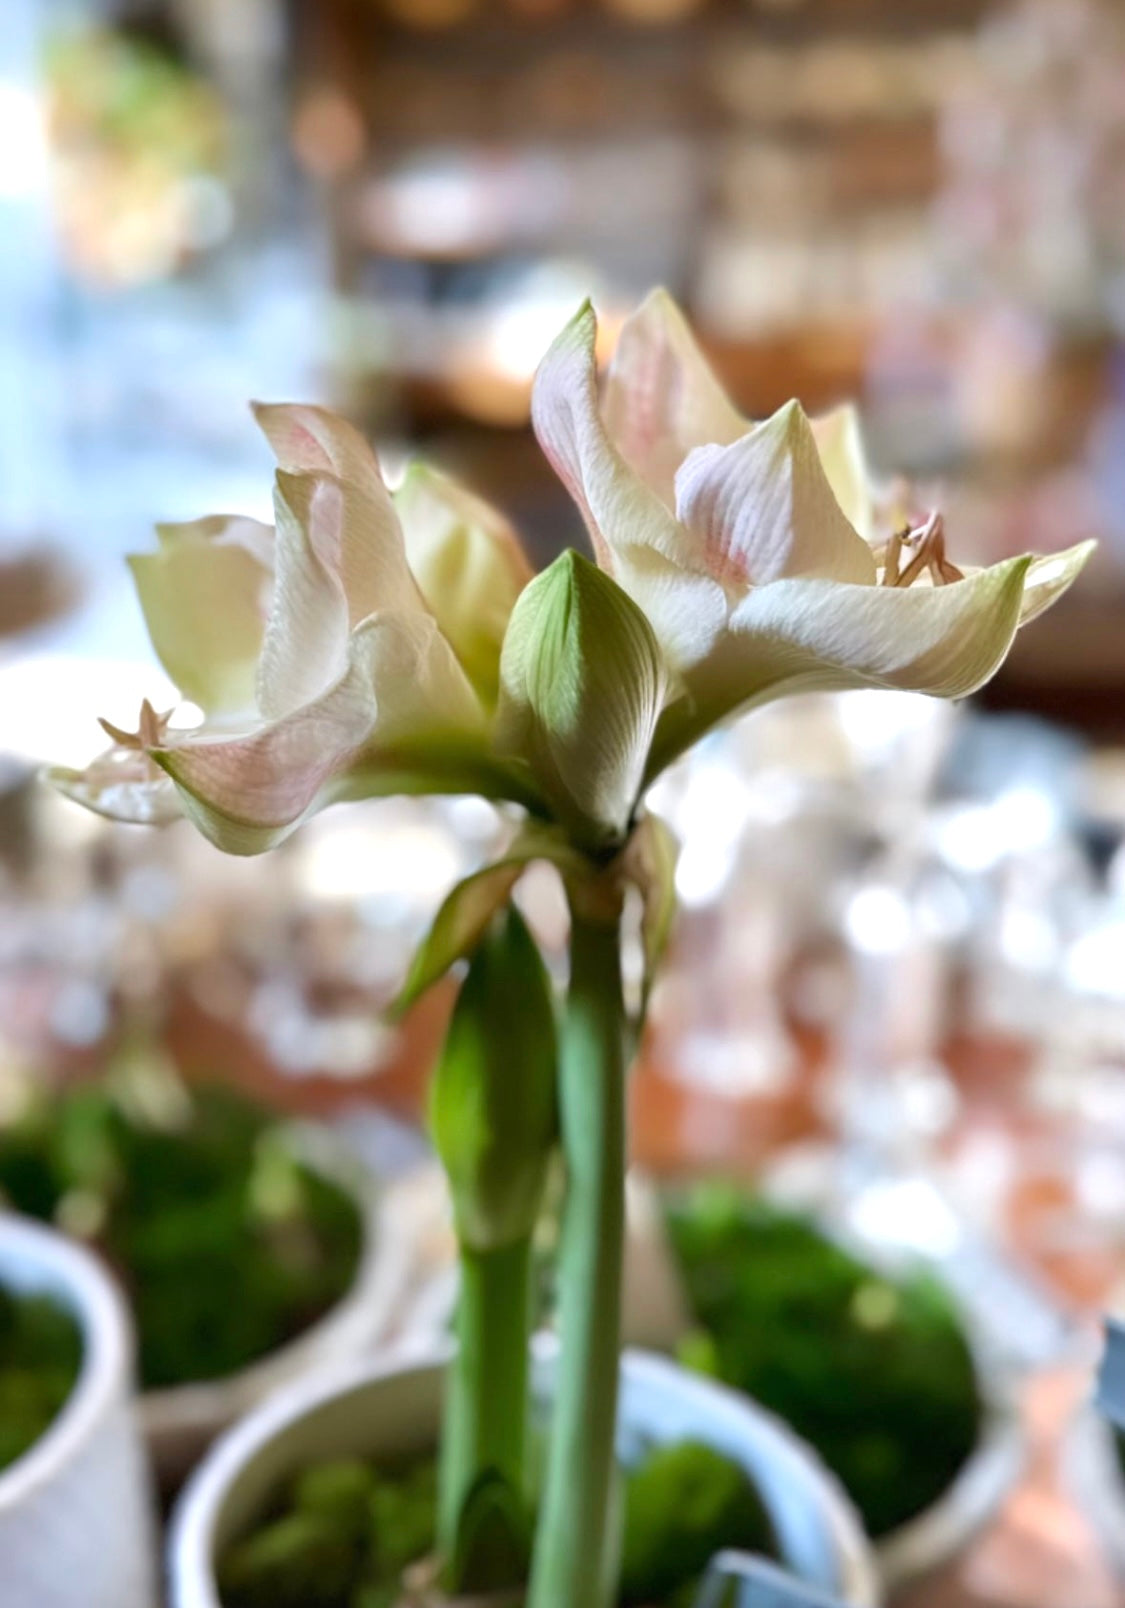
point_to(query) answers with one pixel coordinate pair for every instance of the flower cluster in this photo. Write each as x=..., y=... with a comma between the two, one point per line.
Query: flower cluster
x=372, y=642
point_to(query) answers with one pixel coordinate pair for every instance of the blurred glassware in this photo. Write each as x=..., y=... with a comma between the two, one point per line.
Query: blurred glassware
x=1034, y=141
x=779, y=812
x=304, y=972
x=273, y=974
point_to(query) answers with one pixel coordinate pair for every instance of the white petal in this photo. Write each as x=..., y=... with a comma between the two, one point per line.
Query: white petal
x=1049, y=577
x=222, y=530
x=823, y=636
x=309, y=440
x=306, y=643
x=469, y=564
x=688, y=613
x=364, y=546
x=662, y=398
x=947, y=640
x=205, y=594
x=620, y=509
x=763, y=509
x=122, y=784
x=839, y=441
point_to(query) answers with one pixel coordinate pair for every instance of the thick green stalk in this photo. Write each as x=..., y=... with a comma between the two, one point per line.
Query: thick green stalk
x=485, y=1427
x=574, y=1563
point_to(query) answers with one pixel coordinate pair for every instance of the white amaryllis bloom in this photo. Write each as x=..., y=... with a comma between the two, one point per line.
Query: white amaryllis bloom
x=374, y=644
x=750, y=547
x=352, y=651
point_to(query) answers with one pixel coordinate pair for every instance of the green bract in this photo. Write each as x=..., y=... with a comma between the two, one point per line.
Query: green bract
x=493, y=1111
x=582, y=686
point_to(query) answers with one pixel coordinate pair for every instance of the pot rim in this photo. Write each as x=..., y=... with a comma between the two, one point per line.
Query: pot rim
x=40, y=1260
x=1093, y=1474
x=199, y=1510
x=963, y=1509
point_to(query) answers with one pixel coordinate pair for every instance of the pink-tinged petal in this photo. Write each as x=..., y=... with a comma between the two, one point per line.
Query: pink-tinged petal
x=362, y=542
x=762, y=509
x=839, y=441
x=205, y=594
x=308, y=440
x=402, y=689
x=122, y=784
x=619, y=508
x=662, y=398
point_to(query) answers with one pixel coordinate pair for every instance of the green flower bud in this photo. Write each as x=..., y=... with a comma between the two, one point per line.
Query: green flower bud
x=493, y=1110
x=582, y=687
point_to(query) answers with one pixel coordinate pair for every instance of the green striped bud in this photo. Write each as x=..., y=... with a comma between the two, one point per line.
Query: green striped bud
x=493, y=1104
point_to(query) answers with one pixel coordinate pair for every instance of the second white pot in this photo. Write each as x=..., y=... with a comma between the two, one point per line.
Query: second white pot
x=388, y=1410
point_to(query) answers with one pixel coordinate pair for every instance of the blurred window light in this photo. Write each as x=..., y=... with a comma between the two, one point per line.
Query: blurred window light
x=49, y=704
x=975, y=837
x=521, y=332
x=23, y=142
x=1094, y=962
x=409, y=858
x=878, y=921
x=907, y=1213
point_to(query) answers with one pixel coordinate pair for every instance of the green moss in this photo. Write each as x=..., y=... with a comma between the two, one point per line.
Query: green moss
x=40, y=1357
x=301, y=1560
x=875, y=1373
x=682, y=1504
x=228, y=1246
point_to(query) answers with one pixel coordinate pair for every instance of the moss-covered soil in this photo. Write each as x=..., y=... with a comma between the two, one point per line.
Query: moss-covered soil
x=226, y=1243
x=873, y=1372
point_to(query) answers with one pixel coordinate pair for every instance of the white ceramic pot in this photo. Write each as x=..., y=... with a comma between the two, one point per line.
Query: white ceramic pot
x=390, y=1409
x=969, y=1503
x=655, y=1315
x=1094, y=1478
x=76, y=1511
x=181, y=1422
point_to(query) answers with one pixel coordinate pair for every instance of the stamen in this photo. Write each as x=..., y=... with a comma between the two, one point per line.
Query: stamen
x=926, y=543
x=150, y=733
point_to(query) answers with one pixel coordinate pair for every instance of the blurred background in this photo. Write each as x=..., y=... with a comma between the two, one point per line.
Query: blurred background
x=393, y=204
x=899, y=977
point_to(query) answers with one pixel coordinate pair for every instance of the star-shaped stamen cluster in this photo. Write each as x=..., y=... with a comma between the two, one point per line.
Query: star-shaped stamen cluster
x=150, y=733
x=923, y=547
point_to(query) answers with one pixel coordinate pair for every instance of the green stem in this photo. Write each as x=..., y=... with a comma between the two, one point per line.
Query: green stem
x=487, y=1406
x=574, y=1564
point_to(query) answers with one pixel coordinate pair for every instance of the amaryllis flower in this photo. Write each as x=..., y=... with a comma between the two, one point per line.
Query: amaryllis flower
x=750, y=548
x=374, y=644
x=351, y=651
